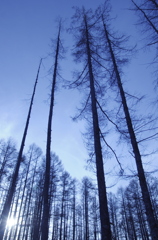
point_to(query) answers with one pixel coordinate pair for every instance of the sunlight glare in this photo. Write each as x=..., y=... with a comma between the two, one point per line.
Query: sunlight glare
x=11, y=222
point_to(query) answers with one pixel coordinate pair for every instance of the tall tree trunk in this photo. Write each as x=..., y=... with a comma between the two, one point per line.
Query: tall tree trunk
x=131, y=221
x=74, y=212
x=46, y=207
x=15, y=202
x=37, y=215
x=124, y=211
x=11, y=191
x=22, y=200
x=143, y=184
x=86, y=210
x=103, y=205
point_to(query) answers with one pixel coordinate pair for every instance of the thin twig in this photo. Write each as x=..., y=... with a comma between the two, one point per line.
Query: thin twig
x=113, y=152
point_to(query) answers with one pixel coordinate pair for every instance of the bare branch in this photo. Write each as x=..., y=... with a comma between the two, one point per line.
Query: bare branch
x=148, y=138
x=75, y=83
x=112, y=152
x=75, y=118
x=109, y=118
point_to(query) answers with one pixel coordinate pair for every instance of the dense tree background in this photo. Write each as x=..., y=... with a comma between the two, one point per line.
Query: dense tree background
x=74, y=204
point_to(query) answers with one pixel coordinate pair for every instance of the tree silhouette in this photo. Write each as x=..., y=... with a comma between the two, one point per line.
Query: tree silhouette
x=133, y=139
x=84, y=49
x=46, y=206
x=12, y=188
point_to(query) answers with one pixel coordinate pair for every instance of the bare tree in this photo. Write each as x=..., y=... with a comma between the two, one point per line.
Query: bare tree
x=86, y=79
x=12, y=188
x=46, y=206
x=7, y=157
x=117, y=80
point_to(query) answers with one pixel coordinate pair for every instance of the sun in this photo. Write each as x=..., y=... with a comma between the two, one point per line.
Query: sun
x=11, y=222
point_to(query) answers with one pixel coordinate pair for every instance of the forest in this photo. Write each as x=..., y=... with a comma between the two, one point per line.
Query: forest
x=40, y=200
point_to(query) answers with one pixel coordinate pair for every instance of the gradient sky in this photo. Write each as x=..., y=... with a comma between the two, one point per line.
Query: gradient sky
x=27, y=28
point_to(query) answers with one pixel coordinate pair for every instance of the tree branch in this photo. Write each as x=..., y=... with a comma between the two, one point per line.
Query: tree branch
x=112, y=152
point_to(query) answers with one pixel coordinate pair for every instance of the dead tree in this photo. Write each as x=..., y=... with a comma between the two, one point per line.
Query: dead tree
x=12, y=188
x=46, y=204
x=87, y=80
x=133, y=139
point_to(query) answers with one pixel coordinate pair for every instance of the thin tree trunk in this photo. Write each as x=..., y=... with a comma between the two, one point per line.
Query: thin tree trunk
x=15, y=216
x=104, y=214
x=62, y=213
x=27, y=205
x=22, y=200
x=37, y=215
x=132, y=223
x=86, y=210
x=126, y=222
x=23, y=221
x=143, y=184
x=11, y=191
x=46, y=207
x=74, y=213
x=30, y=194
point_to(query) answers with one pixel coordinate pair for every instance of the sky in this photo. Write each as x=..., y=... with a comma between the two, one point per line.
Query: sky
x=27, y=28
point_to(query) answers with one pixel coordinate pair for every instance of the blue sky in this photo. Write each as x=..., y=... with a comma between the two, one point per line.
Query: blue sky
x=27, y=28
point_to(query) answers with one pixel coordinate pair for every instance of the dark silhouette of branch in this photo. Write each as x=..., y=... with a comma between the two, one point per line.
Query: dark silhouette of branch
x=112, y=152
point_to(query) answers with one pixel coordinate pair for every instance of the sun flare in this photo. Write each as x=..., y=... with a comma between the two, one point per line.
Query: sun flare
x=11, y=222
